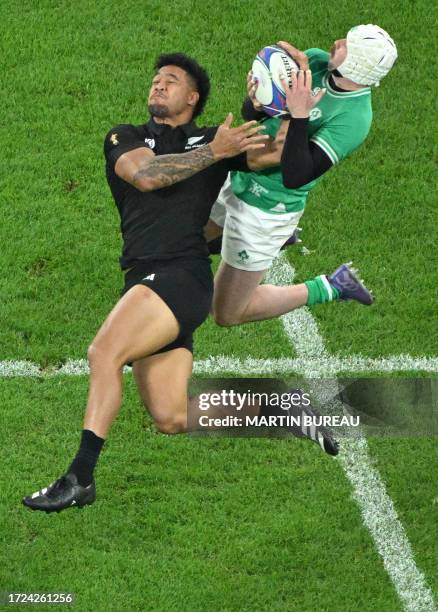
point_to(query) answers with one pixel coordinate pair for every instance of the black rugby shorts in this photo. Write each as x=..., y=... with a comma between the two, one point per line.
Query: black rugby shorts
x=186, y=288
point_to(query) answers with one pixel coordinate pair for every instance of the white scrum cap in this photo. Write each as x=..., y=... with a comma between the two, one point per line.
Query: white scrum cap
x=371, y=54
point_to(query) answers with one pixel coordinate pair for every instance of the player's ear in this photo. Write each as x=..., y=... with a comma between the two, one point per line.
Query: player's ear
x=193, y=98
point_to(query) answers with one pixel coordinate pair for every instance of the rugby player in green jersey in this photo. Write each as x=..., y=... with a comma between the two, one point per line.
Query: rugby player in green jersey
x=329, y=102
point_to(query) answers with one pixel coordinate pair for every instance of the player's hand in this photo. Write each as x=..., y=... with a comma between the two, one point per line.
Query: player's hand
x=299, y=97
x=299, y=56
x=251, y=87
x=230, y=141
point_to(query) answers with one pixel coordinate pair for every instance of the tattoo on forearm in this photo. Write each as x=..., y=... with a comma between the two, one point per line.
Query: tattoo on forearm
x=166, y=170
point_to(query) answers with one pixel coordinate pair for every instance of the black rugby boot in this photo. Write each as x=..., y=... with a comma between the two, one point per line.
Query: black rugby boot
x=64, y=493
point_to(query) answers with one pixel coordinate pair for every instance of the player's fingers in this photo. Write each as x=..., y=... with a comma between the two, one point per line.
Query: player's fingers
x=252, y=88
x=299, y=56
x=252, y=147
x=308, y=78
x=256, y=129
x=294, y=80
x=248, y=125
x=302, y=60
x=288, y=47
x=300, y=79
x=256, y=137
x=228, y=120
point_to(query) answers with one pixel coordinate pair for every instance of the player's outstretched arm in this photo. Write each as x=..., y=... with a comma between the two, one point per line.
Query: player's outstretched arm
x=270, y=155
x=301, y=160
x=148, y=172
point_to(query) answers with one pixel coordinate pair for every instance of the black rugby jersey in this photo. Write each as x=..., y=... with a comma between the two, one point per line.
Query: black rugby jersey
x=166, y=223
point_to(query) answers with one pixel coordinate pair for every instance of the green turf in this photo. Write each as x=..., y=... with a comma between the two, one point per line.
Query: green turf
x=183, y=523
x=72, y=70
x=409, y=469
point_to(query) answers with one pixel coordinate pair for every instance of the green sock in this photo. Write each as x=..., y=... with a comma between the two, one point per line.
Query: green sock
x=320, y=290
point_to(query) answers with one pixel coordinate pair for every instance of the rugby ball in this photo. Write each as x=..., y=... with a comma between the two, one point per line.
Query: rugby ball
x=269, y=65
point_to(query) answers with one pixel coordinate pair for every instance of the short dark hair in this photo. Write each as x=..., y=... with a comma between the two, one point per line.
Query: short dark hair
x=197, y=72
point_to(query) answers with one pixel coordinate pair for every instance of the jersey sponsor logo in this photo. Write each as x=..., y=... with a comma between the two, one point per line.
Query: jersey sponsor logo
x=257, y=189
x=150, y=142
x=315, y=113
x=193, y=142
x=114, y=139
x=149, y=277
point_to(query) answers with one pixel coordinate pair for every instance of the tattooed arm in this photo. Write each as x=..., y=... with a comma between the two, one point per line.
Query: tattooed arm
x=147, y=171
x=156, y=171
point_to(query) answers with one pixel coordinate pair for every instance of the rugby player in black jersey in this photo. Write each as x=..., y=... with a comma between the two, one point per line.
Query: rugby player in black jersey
x=164, y=176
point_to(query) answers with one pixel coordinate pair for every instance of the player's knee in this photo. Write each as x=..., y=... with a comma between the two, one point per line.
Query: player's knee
x=93, y=354
x=170, y=421
x=99, y=355
x=225, y=319
x=172, y=424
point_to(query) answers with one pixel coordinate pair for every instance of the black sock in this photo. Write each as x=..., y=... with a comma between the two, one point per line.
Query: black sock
x=86, y=458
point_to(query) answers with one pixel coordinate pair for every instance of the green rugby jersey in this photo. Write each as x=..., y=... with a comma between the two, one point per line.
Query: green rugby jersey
x=338, y=124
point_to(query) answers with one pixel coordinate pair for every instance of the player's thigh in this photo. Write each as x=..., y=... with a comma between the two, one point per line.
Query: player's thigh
x=253, y=237
x=233, y=289
x=162, y=381
x=140, y=324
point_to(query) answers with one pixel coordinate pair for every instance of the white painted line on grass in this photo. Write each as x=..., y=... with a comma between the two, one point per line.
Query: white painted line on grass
x=19, y=368
x=323, y=365
x=376, y=506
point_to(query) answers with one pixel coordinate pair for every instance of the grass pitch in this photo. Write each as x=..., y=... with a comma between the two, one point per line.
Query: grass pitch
x=184, y=523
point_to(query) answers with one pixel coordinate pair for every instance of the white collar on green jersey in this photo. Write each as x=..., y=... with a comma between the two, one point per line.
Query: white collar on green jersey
x=365, y=91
